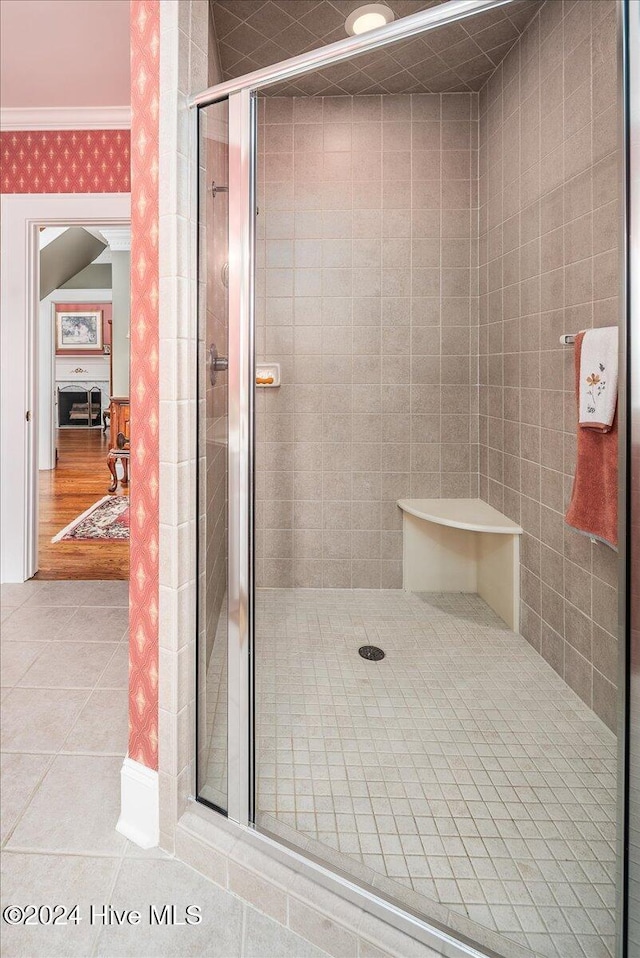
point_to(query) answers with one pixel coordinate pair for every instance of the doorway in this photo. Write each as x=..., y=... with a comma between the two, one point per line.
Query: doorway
x=22, y=217
x=83, y=393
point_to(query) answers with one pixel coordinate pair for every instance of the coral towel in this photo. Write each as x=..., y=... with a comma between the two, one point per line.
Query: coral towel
x=593, y=508
x=598, y=378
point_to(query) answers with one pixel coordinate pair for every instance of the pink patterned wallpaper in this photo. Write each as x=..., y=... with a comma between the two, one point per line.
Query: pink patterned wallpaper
x=143, y=593
x=65, y=161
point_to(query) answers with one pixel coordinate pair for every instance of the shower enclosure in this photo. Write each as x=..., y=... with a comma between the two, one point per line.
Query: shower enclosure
x=395, y=231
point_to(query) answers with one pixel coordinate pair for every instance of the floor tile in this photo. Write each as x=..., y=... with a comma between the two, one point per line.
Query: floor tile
x=134, y=851
x=263, y=936
x=102, y=726
x=54, y=879
x=98, y=625
x=75, y=809
x=16, y=658
x=460, y=768
x=17, y=593
x=6, y=611
x=141, y=884
x=116, y=674
x=39, y=720
x=82, y=593
x=69, y=665
x=463, y=742
x=36, y=624
x=109, y=593
x=19, y=775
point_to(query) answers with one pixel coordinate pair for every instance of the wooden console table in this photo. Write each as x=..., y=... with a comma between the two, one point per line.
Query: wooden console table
x=119, y=440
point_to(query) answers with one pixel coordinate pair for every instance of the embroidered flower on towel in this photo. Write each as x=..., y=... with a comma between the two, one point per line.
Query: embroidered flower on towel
x=598, y=386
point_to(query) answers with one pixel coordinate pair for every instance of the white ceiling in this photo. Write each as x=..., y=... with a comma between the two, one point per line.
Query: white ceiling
x=64, y=53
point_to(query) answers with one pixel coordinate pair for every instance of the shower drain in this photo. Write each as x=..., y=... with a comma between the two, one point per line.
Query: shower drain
x=371, y=652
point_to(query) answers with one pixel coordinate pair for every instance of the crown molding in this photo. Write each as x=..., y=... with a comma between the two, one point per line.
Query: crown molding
x=66, y=118
x=117, y=237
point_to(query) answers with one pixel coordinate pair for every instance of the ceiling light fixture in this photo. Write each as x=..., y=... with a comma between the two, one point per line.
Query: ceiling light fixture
x=368, y=17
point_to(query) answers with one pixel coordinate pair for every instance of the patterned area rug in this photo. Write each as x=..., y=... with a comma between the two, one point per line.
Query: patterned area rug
x=106, y=519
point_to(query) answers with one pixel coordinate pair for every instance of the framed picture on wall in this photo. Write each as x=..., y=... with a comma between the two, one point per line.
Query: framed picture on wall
x=79, y=331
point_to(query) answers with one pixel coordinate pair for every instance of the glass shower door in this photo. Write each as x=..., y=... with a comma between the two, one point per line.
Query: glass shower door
x=226, y=199
x=213, y=460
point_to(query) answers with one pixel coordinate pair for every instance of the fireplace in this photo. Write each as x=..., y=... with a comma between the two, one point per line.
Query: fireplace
x=79, y=407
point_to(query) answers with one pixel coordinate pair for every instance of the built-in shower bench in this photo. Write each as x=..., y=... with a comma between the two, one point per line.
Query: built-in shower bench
x=462, y=545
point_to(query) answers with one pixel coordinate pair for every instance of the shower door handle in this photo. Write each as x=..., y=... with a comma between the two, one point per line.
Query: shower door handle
x=216, y=363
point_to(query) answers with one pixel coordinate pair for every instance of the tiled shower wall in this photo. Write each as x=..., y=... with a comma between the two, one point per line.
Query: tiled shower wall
x=367, y=298
x=549, y=264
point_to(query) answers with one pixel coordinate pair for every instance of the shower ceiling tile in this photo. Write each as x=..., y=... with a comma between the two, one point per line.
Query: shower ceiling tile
x=460, y=57
x=295, y=39
x=445, y=37
x=503, y=32
x=244, y=39
x=226, y=21
x=242, y=8
x=232, y=58
x=412, y=52
x=323, y=20
x=271, y=19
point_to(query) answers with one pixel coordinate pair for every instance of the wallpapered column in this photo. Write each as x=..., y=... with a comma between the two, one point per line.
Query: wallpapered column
x=143, y=649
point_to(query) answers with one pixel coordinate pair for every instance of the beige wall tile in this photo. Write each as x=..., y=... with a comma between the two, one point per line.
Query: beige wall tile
x=352, y=293
x=548, y=215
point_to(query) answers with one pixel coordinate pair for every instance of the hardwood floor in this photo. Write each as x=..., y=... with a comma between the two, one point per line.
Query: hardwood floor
x=80, y=479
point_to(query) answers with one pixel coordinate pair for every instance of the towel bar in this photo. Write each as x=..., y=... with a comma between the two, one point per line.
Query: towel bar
x=567, y=339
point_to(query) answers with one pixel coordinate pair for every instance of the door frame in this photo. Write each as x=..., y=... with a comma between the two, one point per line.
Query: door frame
x=20, y=216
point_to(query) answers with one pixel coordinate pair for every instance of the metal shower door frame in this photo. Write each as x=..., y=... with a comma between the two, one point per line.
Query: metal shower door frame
x=241, y=378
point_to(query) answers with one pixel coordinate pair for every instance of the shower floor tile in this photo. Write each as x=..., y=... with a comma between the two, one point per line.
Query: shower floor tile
x=459, y=774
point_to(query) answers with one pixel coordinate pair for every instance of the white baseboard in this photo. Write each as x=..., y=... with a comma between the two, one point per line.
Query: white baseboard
x=139, y=804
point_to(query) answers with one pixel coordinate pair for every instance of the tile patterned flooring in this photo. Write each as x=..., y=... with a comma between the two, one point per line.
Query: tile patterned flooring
x=64, y=734
x=460, y=774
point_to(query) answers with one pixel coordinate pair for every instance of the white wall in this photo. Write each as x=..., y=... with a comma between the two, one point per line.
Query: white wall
x=120, y=343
